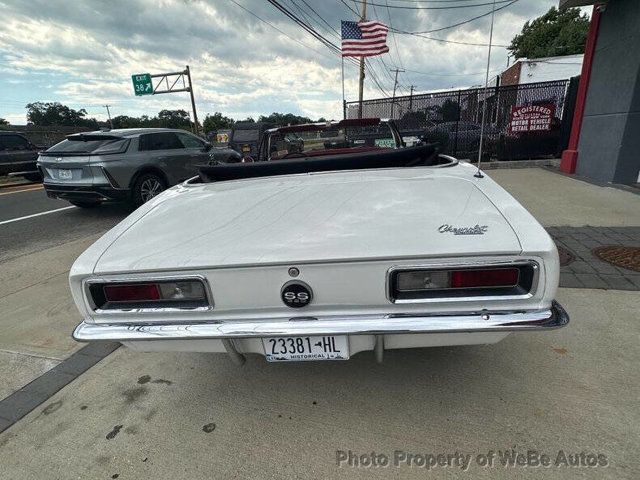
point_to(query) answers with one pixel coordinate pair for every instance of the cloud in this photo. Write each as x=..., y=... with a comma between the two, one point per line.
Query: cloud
x=84, y=53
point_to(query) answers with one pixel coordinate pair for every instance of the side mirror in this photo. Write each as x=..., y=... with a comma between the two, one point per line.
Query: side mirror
x=207, y=146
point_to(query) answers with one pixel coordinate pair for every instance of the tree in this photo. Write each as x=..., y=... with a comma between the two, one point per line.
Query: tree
x=284, y=119
x=557, y=32
x=3, y=123
x=124, y=121
x=54, y=113
x=174, y=119
x=450, y=110
x=216, y=122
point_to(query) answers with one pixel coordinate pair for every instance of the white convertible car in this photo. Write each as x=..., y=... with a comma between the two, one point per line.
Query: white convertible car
x=341, y=242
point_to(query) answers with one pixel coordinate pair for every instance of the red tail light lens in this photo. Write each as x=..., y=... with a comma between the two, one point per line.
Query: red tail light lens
x=424, y=283
x=498, y=277
x=161, y=294
x=137, y=292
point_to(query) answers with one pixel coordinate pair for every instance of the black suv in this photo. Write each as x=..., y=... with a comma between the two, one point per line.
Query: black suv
x=18, y=156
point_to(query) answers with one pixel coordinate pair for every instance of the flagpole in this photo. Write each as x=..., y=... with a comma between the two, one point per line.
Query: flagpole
x=363, y=17
x=486, y=86
x=344, y=104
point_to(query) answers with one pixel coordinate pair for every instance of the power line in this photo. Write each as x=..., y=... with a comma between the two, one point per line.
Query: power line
x=395, y=41
x=320, y=17
x=433, y=1
x=349, y=7
x=451, y=74
x=452, y=41
x=435, y=8
x=328, y=43
x=511, y=2
x=276, y=28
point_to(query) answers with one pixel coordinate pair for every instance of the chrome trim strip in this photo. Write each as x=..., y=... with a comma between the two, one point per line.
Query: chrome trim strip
x=484, y=321
x=468, y=264
x=87, y=282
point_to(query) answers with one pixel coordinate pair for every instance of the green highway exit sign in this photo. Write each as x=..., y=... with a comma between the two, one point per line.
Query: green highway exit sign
x=142, y=84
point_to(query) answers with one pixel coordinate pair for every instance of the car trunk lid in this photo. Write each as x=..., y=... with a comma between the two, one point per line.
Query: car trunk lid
x=321, y=217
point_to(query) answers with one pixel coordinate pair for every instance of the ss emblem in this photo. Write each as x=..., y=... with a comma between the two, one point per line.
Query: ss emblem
x=296, y=294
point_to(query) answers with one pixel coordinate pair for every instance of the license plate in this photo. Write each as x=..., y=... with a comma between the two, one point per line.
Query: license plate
x=65, y=174
x=301, y=349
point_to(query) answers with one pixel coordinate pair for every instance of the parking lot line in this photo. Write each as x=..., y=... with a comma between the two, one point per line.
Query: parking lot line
x=39, y=187
x=36, y=215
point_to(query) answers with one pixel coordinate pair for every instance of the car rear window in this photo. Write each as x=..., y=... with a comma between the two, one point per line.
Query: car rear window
x=190, y=142
x=245, y=135
x=80, y=146
x=159, y=141
x=13, y=142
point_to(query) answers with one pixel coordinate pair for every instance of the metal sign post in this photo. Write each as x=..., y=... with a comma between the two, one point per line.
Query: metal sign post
x=172, y=82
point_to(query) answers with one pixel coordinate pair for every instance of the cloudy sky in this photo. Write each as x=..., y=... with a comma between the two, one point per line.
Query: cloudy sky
x=246, y=57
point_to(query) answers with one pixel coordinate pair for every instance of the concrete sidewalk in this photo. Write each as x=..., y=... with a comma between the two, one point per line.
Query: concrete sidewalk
x=37, y=314
x=198, y=416
x=557, y=200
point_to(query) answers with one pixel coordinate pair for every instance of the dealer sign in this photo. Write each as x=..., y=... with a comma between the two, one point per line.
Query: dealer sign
x=531, y=118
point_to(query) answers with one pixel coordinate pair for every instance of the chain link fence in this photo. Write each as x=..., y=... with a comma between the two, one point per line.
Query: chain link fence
x=522, y=121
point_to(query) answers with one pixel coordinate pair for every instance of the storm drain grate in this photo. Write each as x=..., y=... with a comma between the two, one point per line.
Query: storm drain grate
x=620, y=256
x=566, y=257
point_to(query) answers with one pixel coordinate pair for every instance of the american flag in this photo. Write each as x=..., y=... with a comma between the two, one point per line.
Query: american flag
x=364, y=39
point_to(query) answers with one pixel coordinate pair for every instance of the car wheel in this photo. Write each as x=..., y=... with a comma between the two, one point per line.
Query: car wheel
x=86, y=204
x=147, y=186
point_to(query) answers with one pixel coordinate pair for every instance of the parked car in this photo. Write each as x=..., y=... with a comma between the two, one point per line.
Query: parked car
x=315, y=140
x=462, y=136
x=18, y=156
x=319, y=258
x=120, y=165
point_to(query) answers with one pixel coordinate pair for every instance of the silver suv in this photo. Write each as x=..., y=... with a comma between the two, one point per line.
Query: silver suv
x=120, y=165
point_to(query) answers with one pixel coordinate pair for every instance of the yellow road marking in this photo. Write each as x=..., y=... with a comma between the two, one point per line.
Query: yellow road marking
x=39, y=187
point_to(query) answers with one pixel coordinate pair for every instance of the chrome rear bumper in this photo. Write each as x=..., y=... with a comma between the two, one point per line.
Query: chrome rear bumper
x=554, y=317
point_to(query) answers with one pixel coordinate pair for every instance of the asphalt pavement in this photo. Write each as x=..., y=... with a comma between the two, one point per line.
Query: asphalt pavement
x=570, y=393
x=31, y=222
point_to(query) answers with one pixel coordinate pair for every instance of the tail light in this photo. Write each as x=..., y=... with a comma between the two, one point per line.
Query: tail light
x=423, y=283
x=157, y=294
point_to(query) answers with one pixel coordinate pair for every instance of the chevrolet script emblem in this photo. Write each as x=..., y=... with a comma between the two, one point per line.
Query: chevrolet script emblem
x=475, y=230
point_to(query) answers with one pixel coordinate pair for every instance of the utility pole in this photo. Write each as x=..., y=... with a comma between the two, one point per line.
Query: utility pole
x=363, y=17
x=109, y=115
x=395, y=84
x=411, y=87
